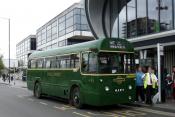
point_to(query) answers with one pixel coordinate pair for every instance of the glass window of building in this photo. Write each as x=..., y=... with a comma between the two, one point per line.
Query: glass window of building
x=131, y=30
x=55, y=45
x=69, y=22
x=83, y=19
x=84, y=27
x=49, y=33
x=77, y=11
x=70, y=29
x=115, y=31
x=122, y=22
x=77, y=27
x=141, y=17
x=166, y=19
x=62, y=26
x=43, y=36
x=174, y=12
x=77, y=19
x=39, y=38
x=62, y=19
x=153, y=16
x=82, y=12
x=54, y=30
x=70, y=14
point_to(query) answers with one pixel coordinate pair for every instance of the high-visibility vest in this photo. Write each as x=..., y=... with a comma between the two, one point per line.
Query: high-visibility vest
x=146, y=80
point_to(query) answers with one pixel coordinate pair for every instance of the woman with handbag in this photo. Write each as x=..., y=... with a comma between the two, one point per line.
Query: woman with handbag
x=173, y=79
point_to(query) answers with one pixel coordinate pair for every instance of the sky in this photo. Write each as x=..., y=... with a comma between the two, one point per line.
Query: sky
x=26, y=17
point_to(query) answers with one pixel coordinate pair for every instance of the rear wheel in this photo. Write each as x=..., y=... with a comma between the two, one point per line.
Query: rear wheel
x=75, y=98
x=37, y=90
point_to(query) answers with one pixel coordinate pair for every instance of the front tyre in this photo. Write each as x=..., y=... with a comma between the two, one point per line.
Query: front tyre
x=37, y=90
x=75, y=98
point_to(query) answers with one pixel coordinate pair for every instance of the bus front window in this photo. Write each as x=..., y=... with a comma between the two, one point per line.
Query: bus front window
x=116, y=63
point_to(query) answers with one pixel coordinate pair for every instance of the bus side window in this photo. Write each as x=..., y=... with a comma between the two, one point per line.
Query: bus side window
x=53, y=62
x=29, y=64
x=74, y=61
x=33, y=63
x=58, y=61
x=40, y=63
x=47, y=63
x=62, y=64
x=85, y=62
x=67, y=63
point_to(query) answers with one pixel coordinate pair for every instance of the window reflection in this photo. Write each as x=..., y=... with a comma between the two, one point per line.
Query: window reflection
x=131, y=30
x=122, y=22
x=153, y=16
x=166, y=22
x=141, y=17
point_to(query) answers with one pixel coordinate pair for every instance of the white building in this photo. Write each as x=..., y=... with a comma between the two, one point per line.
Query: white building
x=24, y=48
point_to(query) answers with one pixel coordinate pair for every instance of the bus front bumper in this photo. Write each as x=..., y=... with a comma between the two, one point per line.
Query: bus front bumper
x=102, y=99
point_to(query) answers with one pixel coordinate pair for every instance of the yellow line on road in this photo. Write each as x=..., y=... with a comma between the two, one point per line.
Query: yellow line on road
x=112, y=114
x=129, y=113
x=169, y=114
x=83, y=115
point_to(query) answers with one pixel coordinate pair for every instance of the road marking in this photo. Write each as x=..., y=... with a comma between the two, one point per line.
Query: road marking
x=151, y=111
x=43, y=103
x=156, y=112
x=129, y=113
x=20, y=96
x=83, y=115
x=106, y=114
x=31, y=99
x=60, y=108
x=64, y=107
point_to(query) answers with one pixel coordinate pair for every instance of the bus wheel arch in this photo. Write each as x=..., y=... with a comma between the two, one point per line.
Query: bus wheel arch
x=74, y=98
x=37, y=89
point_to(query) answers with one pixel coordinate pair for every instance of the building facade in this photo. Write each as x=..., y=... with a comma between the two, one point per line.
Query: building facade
x=69, y=27
x=24, y=49
x=146, y=23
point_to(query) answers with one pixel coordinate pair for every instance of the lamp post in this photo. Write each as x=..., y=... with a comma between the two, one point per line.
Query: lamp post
x=8, y=19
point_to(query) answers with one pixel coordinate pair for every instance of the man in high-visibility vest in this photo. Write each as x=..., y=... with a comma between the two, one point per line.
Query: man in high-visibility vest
x=150, y=82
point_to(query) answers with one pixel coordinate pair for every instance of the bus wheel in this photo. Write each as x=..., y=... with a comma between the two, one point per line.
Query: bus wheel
x=75, y=98
x=37, y=90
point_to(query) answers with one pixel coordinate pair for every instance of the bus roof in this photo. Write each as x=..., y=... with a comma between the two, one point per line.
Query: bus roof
x=100, y=45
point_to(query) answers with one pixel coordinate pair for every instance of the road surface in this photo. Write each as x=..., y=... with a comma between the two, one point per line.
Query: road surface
x=19, y=102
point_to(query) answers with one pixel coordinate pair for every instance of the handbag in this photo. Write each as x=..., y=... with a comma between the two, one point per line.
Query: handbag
x=173, y=85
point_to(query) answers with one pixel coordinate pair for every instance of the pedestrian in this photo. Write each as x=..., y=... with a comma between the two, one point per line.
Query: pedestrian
x=139, y=85
x=3, y=77
x=150, y=82
x=173, y=80
x=169, y=86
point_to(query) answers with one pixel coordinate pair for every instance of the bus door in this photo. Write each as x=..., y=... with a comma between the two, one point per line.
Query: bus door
x=89, y=67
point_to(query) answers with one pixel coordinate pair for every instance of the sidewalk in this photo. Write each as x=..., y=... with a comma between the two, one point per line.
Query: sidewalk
x=16, y=83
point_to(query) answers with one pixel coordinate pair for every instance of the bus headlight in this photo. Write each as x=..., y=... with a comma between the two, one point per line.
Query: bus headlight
x=101, y=80
x=129, y=97
x=130, y=87
x=106, y=88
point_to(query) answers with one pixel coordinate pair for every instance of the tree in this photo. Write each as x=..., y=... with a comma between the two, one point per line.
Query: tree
x=1, y=64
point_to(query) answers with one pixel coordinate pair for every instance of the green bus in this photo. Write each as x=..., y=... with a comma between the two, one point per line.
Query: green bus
x=98, y=73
